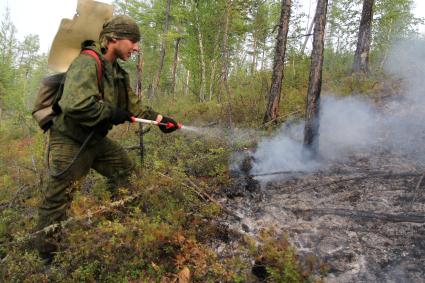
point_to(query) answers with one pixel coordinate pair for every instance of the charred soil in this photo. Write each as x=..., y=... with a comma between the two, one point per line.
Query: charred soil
x=362, y=219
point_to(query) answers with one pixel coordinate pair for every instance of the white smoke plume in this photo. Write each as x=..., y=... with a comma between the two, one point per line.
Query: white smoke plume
x=355, y=124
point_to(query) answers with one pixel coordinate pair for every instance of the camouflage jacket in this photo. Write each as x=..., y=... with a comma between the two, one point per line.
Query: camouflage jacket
x=83, y=107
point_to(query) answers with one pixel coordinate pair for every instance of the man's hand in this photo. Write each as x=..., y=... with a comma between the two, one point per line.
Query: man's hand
x=120, y=116
x=167, y=125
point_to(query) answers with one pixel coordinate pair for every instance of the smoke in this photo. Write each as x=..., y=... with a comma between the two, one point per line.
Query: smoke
x=346, y=125
x=355, y=124
x=406, y=61
x=405, y=122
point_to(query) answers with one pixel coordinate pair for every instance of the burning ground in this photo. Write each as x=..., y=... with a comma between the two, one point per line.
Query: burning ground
x=359, y=208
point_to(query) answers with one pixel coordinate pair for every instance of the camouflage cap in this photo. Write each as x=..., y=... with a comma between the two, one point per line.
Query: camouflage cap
x=120, y=27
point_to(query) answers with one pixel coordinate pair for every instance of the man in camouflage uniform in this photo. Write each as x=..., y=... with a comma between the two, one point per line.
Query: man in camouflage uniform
x=91, y=107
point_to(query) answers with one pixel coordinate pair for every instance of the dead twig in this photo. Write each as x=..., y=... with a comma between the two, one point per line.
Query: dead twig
x=275, y=120
x=210, y=124
x=16, y=195
x=416, y=190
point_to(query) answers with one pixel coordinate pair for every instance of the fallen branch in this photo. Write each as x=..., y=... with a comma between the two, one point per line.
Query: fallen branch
x=63, y=224
x=412, y=218
x=280, y=173
x=369, y=175
x=278, y=118
x=374, y=175
x=204, y=196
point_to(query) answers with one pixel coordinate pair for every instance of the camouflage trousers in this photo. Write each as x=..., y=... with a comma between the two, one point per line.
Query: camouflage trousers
x=105, y=156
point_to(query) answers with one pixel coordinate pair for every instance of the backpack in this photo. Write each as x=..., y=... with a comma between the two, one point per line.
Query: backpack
x=46, y=105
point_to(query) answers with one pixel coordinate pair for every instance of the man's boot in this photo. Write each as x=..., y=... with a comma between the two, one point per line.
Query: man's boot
x=47, y=246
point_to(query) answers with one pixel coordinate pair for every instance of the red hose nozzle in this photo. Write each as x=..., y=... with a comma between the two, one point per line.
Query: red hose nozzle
x=169, y=125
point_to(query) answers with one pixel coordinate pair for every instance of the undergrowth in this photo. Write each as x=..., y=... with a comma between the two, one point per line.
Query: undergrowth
x=172, y=226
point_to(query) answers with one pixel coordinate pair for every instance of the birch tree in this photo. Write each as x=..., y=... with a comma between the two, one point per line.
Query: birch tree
x=175, y=62
x=201, y=51
x=157, y=78
x=223, y=84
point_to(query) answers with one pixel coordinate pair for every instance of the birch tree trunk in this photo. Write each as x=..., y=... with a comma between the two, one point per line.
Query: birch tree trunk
x=175, y=62
x=186, y=85
x=213, y=66
x=311, y=130
x=361, y=57
x=201, y=51
x=254, y=56
x=307, y=36
x=162, y=50
x=272, y=111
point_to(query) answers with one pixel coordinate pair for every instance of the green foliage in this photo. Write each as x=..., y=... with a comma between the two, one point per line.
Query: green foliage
x=394, y=20
x=343, y=25
x=279, y=259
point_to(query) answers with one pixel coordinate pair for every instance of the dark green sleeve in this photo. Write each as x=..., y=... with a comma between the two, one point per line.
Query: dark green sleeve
x=81, y=100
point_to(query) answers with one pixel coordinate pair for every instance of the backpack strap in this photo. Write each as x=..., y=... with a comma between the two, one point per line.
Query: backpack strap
x=88, y=138
x=99, y=66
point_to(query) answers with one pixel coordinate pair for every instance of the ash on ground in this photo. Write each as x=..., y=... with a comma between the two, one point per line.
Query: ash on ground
x=365, y=218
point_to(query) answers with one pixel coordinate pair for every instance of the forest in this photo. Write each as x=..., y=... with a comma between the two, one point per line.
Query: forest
x=296, y=102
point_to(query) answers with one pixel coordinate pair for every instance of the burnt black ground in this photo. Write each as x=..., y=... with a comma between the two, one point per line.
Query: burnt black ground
x=364, y=217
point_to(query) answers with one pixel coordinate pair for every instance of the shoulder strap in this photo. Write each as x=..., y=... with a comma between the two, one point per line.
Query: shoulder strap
x=99, y=82
x=99, y=65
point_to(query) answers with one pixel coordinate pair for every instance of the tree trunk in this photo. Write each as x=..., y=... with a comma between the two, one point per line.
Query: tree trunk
x=254, y=55
x=307, y=36
x=385, y=57
x=186, y=85
x=223, y=85
x=162, y=50
x=263, y=56
x=139, y=94
x=201, y=51
x=139, y=68
x=272, y=111
x=175, y=61
x=213, y=66
x=212, y=76
x=361, y=57
x=311, y=130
